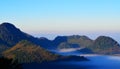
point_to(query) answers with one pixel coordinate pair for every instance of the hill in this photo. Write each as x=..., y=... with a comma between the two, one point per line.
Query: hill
x=10, y=36
x=75, y=41
x=101, y=45
x=105, y=45
x=26, y=52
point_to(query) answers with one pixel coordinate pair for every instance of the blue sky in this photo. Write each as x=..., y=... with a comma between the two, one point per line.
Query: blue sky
x=62, y=17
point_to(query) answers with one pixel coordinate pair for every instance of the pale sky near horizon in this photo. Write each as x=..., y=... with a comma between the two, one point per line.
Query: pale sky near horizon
x=58, y=17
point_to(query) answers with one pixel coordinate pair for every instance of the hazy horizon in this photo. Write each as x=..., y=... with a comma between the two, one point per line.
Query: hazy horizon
x=49, y=18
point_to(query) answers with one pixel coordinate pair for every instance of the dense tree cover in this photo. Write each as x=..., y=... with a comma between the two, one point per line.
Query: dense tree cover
x=26, y=51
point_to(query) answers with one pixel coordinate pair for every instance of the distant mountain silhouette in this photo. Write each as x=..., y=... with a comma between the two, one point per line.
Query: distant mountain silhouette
x=102, y=45
x=65, y=45
x=10, y=36
x=59, y=39
x=83, y=41
x=75, y=41
x=105, y=45
x=52, y=44
x=46, y=43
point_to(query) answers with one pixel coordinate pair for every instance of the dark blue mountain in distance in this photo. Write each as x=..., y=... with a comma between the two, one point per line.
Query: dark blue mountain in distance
x=10, y=36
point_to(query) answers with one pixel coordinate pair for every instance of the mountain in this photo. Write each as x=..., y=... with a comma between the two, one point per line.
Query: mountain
x=75, y=41
x=101, y=45
x=83, y=41
x=52, y=44
x=65, y=45
x=25, y=52
x=105, y=45
x=46, y=43
x=59, y=39
x=20, y=46
x=10, y=36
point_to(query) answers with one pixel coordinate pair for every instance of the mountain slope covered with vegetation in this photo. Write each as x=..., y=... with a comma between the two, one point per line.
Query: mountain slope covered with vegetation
x=25, y=51
x=10, y=36
x=105, y=45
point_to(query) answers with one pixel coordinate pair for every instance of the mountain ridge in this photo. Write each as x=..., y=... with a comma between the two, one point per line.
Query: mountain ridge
x=10, y=36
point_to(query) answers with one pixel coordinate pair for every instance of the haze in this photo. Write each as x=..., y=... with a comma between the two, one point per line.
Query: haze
x=50, y=18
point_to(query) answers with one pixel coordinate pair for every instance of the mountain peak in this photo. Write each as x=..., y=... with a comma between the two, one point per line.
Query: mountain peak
x=8, y=28
x=7, y=25
x=10, y=34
